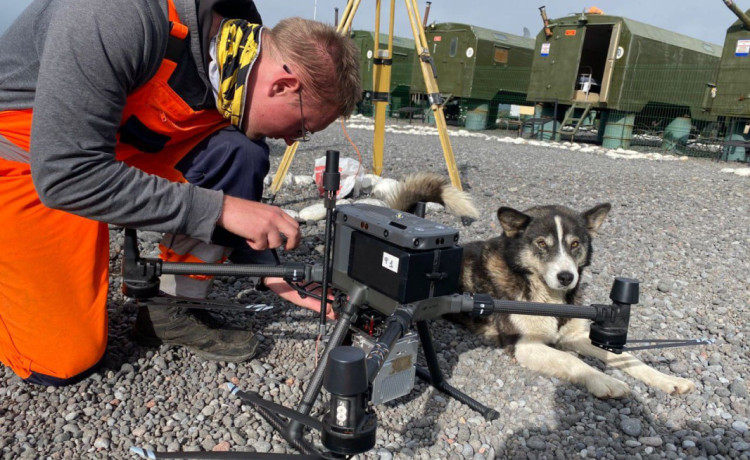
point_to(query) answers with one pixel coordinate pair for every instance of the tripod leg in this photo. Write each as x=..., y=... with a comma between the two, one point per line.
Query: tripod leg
x=433, y=93
x=282, y=170
x=435, y=376
x=347, y=16
x=381, y=85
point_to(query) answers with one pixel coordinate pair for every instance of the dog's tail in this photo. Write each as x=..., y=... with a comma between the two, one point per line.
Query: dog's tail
x=428, y=187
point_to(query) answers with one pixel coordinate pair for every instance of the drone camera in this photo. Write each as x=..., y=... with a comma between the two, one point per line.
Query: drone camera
x=349, y=427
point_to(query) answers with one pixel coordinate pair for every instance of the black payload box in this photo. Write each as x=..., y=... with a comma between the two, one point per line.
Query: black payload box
x=404, y=257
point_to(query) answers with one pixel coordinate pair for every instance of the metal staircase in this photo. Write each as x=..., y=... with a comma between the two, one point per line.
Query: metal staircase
x=571, y=120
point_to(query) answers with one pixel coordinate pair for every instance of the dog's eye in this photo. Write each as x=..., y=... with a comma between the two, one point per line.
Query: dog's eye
x=574, y=244
x=542, y=244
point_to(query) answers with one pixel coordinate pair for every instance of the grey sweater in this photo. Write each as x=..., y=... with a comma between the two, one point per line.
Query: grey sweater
x=74, y=62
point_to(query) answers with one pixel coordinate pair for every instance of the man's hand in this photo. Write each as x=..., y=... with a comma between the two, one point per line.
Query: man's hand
x=283, y=290
x=262, y=225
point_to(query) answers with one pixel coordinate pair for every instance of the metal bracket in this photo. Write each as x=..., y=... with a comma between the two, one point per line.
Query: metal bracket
x=436, y=98
x=381, y=97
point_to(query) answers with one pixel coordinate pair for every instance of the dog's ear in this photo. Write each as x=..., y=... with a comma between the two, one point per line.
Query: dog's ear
x=595, y=216
x=513, y=222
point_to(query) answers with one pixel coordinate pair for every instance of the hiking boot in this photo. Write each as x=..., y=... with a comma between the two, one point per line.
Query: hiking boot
x=155, y=325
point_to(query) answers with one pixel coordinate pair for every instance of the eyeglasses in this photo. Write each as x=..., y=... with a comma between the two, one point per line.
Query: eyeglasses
x=303, y=135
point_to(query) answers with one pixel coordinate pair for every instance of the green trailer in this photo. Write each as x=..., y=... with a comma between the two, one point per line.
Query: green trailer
x=401, y=70
x=731, y=96
x=478, y=70
x=636, y=76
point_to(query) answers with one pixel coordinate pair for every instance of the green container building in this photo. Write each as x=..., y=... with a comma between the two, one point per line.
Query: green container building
x=477, y=66
x=401, y=70
x=611, y=63
x=732, y=95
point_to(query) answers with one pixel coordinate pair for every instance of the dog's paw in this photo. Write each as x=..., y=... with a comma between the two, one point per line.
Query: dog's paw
x=604, y=387
x=675, y=385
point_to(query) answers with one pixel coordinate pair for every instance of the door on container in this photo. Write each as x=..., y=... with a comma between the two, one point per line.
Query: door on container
x=448, y=51
x=556, y=64
x=597, y=60
x=612, y=55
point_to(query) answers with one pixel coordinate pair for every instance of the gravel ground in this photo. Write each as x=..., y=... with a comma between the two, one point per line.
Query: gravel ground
x=681, y=227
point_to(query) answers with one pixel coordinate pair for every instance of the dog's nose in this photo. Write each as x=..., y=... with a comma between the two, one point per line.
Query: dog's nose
x=565, y=278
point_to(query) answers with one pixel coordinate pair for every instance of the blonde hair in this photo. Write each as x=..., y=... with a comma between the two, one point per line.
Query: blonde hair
x=325, y=61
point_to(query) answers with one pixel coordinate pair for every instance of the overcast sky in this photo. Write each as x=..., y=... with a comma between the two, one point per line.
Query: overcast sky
x=704, y=19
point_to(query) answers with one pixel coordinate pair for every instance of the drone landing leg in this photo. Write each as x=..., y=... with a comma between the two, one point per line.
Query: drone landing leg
x=316, y=382
x=435, y=376
x=271, y=412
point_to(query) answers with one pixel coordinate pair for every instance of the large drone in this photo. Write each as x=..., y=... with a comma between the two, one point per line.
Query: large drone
x=391, y=272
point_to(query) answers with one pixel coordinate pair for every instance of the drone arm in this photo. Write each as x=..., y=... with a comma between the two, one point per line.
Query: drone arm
x=141, y=275
x=610, y=322
x=289, y=271
x=484, y=305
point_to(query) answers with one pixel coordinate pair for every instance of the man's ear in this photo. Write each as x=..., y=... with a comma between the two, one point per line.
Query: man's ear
x=284, y=84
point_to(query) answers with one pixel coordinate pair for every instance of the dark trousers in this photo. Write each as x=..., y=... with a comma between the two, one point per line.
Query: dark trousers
x=230, y=162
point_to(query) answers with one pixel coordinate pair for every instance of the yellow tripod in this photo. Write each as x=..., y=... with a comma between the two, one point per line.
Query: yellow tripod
x=382, y=60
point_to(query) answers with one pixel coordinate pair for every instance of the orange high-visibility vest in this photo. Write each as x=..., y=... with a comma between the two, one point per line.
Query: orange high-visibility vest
x=167, y=116
x=54, y=266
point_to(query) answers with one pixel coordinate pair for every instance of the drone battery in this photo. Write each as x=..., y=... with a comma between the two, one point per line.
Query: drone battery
x=396, y=376
x=401, y=274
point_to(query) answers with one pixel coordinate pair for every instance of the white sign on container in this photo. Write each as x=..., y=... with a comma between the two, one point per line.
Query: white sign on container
x=743, y=48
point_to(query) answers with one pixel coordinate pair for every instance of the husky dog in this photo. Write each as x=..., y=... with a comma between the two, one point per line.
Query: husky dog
x=540, y=257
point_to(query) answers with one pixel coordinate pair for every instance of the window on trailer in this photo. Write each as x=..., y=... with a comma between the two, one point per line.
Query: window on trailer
x=501, y=55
